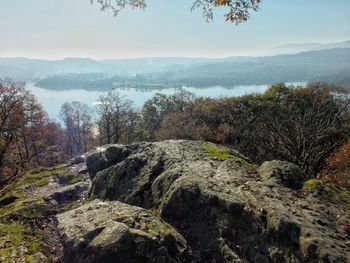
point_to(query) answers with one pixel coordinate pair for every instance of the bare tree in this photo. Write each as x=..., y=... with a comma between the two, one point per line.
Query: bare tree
x=156, y=108
x=300, y=125
x=113, y=117
x=77, y=119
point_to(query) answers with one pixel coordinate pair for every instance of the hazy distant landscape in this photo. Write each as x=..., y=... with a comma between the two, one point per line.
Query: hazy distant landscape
x=56, y=81
x=332, y=65
x=302, y=47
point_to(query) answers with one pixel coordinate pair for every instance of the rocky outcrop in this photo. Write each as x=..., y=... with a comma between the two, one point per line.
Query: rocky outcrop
x=225, y=209
x=117, y=232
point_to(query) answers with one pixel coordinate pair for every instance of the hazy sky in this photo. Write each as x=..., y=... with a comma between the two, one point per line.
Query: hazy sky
x=75, y=28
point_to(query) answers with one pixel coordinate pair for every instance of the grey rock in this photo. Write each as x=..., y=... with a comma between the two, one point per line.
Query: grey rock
x=284, y=173
x=225, y=211
x=78, y=160
x=116, y=232
x=105, y=156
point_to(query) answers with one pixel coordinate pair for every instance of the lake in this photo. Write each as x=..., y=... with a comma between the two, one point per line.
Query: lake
x=53, y=99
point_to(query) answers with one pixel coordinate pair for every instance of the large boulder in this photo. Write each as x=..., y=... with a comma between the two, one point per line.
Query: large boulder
x=117, y=232
x=284, y=173
x=216, y=199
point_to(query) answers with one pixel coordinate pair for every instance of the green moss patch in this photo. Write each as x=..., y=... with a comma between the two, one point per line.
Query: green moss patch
x=38, y=176
x=36, y=210
x=166, y=198
x=338, y=195
x=20, y=213
x=223, y=153
x=17, y=235
x=42, y=182
x=161, y=229
x=23, y=211
x=14, y=200
x=13, y=232
x=312, y=183
x=34, y=247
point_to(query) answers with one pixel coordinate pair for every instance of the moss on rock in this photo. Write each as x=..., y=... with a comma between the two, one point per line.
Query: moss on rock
x=19, y=214
x=123, y=232
x=17, y=235
x=223, y=153
x=42, y=182
x=312, y=183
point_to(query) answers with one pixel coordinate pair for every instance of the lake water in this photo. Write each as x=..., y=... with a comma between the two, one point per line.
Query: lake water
x=53, y=99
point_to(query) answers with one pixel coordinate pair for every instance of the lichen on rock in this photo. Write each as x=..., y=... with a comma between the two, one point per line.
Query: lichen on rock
x=116, y=232
x=281, y=172
x=226, y=208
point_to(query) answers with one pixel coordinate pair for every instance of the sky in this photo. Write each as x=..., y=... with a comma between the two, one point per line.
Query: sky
x=55, y=29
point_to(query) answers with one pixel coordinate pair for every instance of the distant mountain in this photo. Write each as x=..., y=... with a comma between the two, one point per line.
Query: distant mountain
x=156, y=73
x=302, y=67
x=297, y=48
x=33, y=69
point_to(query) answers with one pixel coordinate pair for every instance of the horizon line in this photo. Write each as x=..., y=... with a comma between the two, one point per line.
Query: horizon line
x=167, y=57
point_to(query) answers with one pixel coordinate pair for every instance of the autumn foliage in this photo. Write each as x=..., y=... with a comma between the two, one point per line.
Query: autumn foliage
x=27, y=137
x=337, y=169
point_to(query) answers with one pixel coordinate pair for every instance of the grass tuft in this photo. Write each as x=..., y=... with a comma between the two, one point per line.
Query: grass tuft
x=42, y=182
